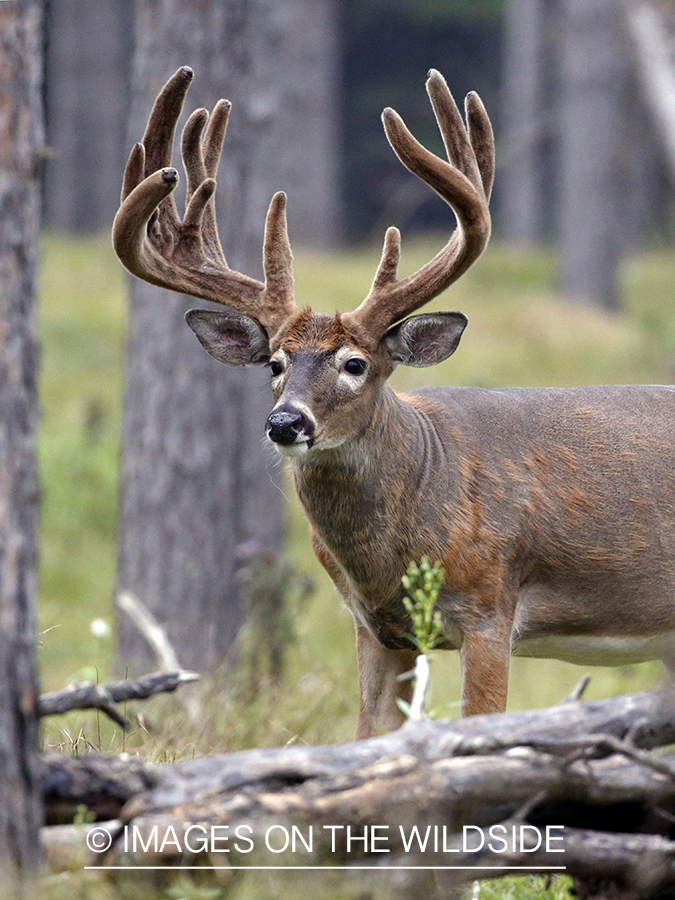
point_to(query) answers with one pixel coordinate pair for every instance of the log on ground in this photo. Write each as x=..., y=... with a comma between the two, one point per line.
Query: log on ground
x=582, y=766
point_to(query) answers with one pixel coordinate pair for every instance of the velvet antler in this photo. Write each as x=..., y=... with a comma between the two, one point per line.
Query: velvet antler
x=154, y=244
x=464, y=182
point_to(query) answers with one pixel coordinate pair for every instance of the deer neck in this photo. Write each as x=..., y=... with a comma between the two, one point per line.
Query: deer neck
x=360, y=497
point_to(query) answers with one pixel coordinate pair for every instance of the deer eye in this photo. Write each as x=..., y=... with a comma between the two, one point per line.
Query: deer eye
x=356, y=366
x=276, y=368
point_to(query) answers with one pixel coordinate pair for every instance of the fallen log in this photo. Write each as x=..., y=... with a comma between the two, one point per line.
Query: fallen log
x=644, y=720
x=580, y=770
x=99, y=783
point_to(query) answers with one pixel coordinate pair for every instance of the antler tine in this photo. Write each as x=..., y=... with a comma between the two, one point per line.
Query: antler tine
x=159, y=133
x=191, y=151
x=186, y=256
x=161, y=127
x=482, y=140
x=201, y=162
x=277, y=254
x=464, y=183
x=134, y=171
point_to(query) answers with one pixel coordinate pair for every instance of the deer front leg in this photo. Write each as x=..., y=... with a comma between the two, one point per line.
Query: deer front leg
x=379, y=689
x=485, y=656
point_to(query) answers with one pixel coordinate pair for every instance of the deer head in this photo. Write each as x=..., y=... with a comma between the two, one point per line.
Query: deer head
x=327, y=372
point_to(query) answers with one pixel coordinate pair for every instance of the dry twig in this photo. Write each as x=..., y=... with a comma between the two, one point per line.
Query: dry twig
x=88, y=695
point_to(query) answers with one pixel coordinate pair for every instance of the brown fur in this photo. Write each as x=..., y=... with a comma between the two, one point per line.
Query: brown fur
x=324, y=334
x=509, y=501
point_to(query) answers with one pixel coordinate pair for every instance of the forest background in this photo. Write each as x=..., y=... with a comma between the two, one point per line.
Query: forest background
x=152, y=469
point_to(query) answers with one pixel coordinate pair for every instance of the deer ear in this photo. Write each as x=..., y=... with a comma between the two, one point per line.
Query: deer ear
x=425, y=340
x=230, y=337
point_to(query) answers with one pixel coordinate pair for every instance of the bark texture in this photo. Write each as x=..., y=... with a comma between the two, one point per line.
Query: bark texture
x=21, y=153
x=579, y=160
x=199, y=493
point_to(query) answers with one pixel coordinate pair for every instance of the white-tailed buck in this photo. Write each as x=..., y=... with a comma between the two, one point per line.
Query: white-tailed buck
x=551, y=510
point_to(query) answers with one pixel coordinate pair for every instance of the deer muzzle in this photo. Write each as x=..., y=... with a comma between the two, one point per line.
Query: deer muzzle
x=290, y=427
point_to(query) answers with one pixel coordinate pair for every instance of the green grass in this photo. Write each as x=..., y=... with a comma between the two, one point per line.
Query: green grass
x=520, y=333
x=82, y=322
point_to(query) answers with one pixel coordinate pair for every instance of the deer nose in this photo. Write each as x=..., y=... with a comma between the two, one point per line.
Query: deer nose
x=285, y=426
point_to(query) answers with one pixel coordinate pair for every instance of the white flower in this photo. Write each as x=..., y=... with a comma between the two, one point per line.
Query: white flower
x=100, y=628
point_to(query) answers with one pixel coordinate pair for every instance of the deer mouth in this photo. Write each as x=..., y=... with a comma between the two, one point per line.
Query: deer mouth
x=298, y=448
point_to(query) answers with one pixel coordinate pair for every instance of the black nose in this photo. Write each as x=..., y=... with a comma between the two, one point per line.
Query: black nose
x=285, y=425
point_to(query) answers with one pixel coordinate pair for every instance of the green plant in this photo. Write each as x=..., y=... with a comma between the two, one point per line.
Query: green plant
x=424, y=583
x=84, y=816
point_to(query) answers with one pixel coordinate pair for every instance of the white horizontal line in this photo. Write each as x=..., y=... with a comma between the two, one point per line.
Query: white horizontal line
x=346, y=868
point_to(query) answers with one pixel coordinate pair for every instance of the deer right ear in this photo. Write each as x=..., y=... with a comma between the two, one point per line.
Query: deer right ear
x=425, y=340
x=230, y=337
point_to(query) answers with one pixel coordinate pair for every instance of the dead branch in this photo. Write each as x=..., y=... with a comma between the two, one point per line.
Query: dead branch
x=159, y=643
x=88, y=695
x=151, y=630
x=580, y=689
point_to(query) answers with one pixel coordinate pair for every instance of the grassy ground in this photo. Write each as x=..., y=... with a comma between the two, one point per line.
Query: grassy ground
x=520, y=333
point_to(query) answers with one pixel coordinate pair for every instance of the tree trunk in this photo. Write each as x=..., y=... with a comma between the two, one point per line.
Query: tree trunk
x=199, y=496
x=525, y=121
x=593, y=77
x=88, y=57
x=21, y=149
x=303, y=138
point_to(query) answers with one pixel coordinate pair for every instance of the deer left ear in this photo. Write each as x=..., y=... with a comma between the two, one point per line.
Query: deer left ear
x=230, y=337
x=425, y=340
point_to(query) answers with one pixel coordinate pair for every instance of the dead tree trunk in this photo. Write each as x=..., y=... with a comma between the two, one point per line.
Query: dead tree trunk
x=21, y=151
